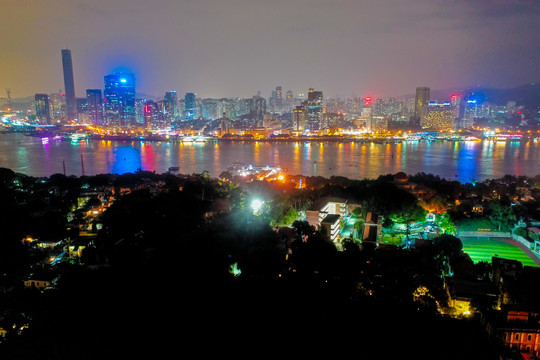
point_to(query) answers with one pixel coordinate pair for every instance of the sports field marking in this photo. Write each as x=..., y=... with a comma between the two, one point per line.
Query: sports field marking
x=484, y=249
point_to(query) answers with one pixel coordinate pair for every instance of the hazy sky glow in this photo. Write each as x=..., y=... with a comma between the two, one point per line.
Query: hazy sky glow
x=227, y=48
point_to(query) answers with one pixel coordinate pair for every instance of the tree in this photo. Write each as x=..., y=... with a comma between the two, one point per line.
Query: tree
x=388, y=222
x=446, y=224
x=501, y=215
x=303, y=229
x=448, y=245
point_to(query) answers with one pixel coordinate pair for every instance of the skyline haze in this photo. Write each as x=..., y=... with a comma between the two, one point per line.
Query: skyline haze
x=235, y=48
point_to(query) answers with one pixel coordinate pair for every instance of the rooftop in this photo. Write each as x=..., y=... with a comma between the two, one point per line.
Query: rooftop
x=331, y=218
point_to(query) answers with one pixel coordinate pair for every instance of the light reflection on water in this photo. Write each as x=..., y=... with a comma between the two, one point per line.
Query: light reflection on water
x=452, y=160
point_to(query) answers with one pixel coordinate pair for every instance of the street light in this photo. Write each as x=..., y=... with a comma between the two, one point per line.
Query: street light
x=256, y=205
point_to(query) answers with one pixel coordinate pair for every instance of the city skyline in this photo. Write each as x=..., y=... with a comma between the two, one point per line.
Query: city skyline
x=235, y=48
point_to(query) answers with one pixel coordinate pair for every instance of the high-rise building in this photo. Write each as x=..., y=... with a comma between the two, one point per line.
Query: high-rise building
x=69, y=85
x=437, y=116
x=94, y=103
x=82, y=105
x=43, y=113
x=289, y=100
x=421, y=100
x=259, y=108
x=190, y=106
x=57, y=103
x=299, y=118
x=119, y=99
x=171, y=106
x=279, y=99
x=314, y=109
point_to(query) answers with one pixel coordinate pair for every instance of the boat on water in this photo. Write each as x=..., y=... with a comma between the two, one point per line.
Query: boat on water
x=174, y=168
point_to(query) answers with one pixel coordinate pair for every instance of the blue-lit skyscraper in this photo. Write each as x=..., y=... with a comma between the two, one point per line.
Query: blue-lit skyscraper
x=190, y=107
x=119, y=99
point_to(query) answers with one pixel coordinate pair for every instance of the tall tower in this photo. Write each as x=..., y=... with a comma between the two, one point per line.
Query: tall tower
x=421, y=100
x=299, y=118
x=43, y=114
x=279, y=98
x=314, y=109
x=190, y=106
x=119, y=99
x=171, y=106
x=94, y=103
x=69, y=85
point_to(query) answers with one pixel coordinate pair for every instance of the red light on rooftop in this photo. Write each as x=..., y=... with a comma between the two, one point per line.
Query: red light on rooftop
x=367, y=100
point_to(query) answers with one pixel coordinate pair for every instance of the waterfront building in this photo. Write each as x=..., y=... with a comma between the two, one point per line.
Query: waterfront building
x=378, y=123
x=209, y=109
x=458, y=104
x=227, y=107
x=279, y=99
x=69, y=85
x=421, y=99
x=243, y=107
x=41, y=103
x=190, y=106
x=82, y=110
x=259, y=108
x=171, y=106
x=437, y=116
x=94, y=106
x=149, y=114
x=299, y=118
x=82, y=105
x=119, y=99
x=57, y=105
x=314, y=109
x=289, y=100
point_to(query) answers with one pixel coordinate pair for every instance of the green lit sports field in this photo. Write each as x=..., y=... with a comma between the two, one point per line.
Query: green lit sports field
x=484, y=249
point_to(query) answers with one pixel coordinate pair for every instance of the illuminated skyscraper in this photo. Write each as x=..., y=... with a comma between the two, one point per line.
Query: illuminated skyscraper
x=120, y=99
x=94, y=103
x=259, y=108
x=279, y=99
x=69, y=85
x=171, y=106
x=421, y=100
x=190, y=106
x=299, y=118
x=437, y=116
x=314, y=109
x=43, y=114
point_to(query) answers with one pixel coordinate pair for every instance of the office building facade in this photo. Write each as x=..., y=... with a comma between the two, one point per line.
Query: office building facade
x=119, y=99
x=43, y=114
x=94, y=106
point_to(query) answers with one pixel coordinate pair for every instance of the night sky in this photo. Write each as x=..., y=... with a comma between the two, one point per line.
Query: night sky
x=229, y=48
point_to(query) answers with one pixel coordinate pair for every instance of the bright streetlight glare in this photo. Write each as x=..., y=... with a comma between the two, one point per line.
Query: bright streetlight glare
x=256, y=205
